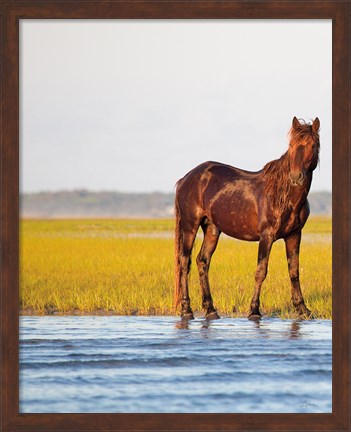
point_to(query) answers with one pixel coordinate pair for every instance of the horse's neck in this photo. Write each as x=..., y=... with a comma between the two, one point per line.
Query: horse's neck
x=278, y=185
x=298, y=195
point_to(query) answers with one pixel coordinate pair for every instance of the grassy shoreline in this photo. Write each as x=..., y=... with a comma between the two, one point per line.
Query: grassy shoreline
x=125, y=267
x=29, y=312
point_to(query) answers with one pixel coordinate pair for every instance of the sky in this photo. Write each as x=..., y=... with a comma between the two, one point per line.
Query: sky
x=133, y=105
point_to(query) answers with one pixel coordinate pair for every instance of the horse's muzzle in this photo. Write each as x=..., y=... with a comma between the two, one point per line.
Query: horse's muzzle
x=297, y=178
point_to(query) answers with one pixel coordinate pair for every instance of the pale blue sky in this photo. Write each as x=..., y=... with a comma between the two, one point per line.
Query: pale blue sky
x=134, y=105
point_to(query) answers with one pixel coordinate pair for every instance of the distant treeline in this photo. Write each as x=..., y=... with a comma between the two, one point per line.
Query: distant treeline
x=86, y=204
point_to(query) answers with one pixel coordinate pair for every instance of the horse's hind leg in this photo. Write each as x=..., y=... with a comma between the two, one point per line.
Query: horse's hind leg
x=211, y=236
x=186, y=245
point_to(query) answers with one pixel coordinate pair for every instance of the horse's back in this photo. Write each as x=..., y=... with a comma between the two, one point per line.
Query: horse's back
x=222, y=193
x=231, y=200
x=217, y=171
x=193, y=185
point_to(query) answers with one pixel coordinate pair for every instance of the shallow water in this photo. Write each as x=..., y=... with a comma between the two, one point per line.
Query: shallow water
x=157, y=364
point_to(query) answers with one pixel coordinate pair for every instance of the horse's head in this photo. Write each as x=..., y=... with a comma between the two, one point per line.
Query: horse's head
x=303, y=149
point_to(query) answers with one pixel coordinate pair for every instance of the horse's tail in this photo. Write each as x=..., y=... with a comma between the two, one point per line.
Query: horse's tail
x=177, y=248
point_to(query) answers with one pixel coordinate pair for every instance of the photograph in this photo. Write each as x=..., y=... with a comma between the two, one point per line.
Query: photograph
x=175, y=216
x=175, y=208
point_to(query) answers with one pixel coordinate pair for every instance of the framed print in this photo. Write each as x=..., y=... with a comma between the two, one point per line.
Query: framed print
x=134, y=97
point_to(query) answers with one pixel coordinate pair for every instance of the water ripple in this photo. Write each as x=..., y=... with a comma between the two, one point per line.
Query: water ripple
x=158, y=364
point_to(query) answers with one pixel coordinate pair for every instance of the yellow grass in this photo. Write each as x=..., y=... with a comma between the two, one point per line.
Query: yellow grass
x=126, y=267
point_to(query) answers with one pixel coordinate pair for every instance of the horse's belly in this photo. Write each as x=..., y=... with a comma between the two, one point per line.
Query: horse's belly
x=236, y=216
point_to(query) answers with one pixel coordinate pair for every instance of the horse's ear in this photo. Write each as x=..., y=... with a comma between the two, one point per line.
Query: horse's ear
x=295, y=123
x=316, y=125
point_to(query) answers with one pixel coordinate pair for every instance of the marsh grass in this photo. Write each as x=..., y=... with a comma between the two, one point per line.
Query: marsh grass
x=126, y=267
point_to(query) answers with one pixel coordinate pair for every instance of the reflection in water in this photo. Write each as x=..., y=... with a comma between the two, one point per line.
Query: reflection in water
x=260, y=325
x=163, y=364
x=186, y=325
x=182, y=324
x=295, y=330
x=291, y=332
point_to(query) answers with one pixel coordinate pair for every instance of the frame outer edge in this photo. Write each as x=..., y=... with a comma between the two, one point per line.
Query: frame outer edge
x=9, y=229
x=341, y=213
x=9, y=206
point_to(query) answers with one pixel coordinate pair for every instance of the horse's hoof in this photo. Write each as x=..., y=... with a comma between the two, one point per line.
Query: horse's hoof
x=212, y=316
x=255, y=315
x=188, y=316
x=306, y=315
x=303, y=312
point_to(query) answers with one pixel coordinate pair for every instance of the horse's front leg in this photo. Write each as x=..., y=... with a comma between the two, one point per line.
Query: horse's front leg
x=264, y=249
x=292, y=246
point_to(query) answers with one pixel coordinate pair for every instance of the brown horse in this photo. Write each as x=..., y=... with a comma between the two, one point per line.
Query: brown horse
x=262, y=206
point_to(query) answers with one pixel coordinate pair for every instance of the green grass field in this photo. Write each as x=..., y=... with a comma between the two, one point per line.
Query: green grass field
x=126, y=267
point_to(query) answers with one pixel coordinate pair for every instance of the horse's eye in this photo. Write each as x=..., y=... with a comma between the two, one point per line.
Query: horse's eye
x=314, y=146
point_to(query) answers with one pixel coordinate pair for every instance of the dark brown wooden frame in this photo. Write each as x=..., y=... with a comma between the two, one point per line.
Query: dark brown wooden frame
x=14, y=10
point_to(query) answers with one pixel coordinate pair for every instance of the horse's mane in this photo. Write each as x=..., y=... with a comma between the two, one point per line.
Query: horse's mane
x=296, y=135
x=299, y=133
x=277, y=184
